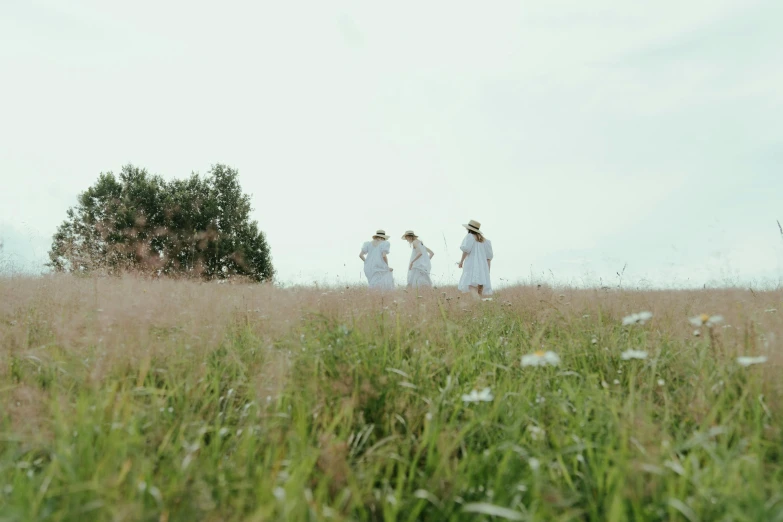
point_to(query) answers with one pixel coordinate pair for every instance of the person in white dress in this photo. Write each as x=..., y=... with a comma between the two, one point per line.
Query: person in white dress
x=476, y=261
x=376, y=264
x=420, y=264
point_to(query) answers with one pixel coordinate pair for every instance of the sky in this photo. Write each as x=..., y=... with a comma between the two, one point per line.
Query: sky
x=586, y=137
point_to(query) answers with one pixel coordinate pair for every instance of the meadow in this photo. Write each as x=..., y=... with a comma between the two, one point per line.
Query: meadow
x=127, y=399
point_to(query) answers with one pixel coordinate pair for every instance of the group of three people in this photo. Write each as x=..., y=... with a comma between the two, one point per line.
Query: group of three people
x=475, y=263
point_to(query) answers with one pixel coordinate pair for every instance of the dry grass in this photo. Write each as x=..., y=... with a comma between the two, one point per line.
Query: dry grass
x=334, y=385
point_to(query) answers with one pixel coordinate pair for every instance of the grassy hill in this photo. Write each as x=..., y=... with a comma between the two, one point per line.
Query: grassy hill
x=128, y=399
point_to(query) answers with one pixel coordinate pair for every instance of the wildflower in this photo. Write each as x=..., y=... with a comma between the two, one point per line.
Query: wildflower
x=616, y=381
x=706, y=320
x=593, y=341
x=536, y=433
x=748, y=361
x=534, y=463
x=638, y=318
x=540, y=358
x=279, y=493
x=484, y=395
x=633, y=354
x=697, y=333
x=487, y=299
x=223, y=432
x=661, y=382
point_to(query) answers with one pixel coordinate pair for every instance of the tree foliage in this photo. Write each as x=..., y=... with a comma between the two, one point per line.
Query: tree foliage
x=199, y=226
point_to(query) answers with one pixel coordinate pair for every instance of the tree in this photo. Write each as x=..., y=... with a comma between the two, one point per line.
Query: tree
x=199, y=226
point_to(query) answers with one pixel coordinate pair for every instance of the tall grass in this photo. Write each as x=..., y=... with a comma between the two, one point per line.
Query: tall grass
x=128, y=399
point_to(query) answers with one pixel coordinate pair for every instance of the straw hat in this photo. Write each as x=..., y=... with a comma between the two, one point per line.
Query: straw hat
x=381, y=233
x=409, y=233
x=473, y=225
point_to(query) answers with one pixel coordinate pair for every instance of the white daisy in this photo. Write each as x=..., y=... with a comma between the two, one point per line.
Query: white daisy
x=484, y=395
x=706, y=320
x=540, y=358
x=638, y=318
x=536, y=433
x=633, y=354
x=748, y=361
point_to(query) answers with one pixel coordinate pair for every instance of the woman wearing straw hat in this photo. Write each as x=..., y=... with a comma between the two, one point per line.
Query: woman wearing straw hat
x=476, y=260
x=420, y=265
x=376, y=264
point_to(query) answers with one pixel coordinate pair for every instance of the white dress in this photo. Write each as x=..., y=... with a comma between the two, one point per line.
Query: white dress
x=378, y=273
x=475, y=268
x=419, y=276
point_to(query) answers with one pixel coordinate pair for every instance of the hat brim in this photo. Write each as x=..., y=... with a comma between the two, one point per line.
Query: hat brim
x=474, y=229
x=405, y=236
x=379, y=235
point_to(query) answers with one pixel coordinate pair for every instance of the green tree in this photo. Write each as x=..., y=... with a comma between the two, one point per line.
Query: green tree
x=199, y=226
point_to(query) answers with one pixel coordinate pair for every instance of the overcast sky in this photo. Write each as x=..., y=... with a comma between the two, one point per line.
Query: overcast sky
x=583, y=135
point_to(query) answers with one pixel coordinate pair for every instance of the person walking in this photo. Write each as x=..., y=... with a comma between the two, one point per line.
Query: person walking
x=476, y=261
x=376, y=263
x=420, y=263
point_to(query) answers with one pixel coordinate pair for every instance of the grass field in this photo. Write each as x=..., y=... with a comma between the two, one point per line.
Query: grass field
x=126, y=399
